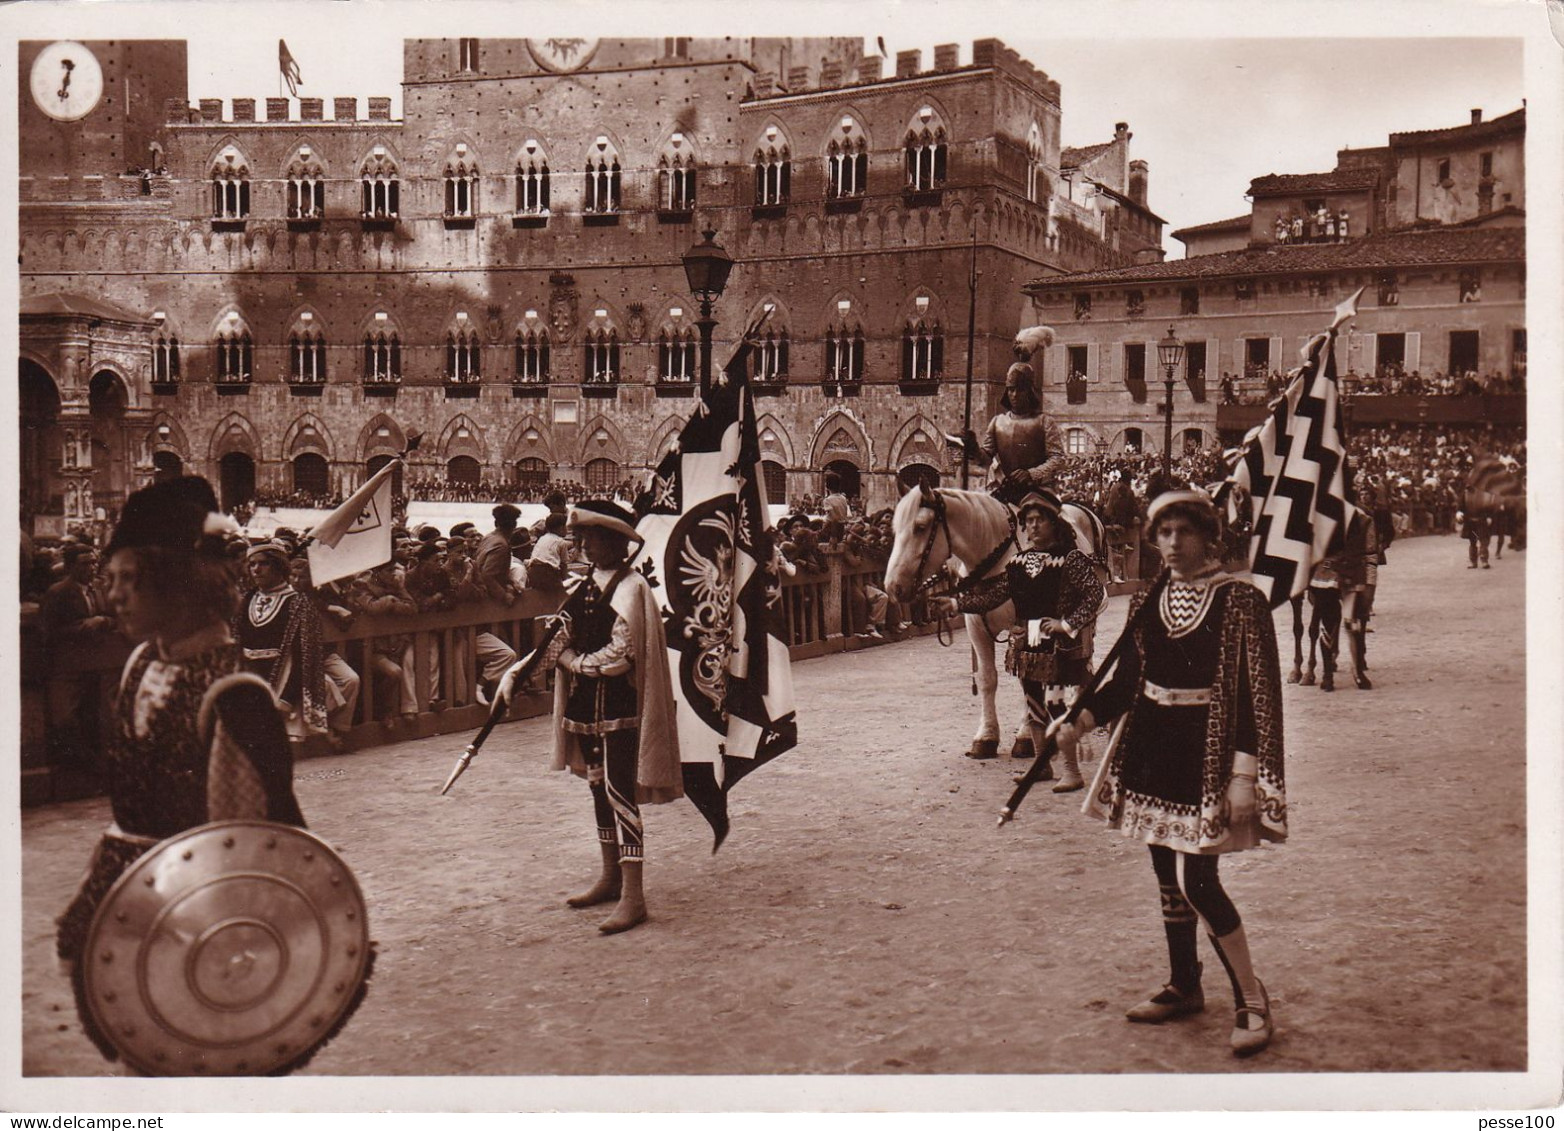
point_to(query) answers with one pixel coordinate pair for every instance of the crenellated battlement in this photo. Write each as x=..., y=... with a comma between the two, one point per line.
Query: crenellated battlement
x=209, y=111
x=833, y=76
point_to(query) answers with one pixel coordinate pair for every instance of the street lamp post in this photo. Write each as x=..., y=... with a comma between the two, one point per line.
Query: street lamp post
x=1170, y=351
x=706, y=266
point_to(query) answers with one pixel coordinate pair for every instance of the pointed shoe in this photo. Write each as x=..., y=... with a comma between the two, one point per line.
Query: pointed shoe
x=1166, y=1004
x=1253, y=1027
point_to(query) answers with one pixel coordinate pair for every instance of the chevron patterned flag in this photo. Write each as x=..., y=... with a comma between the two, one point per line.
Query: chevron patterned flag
x=1293, y=470
x=1491, y=484
x=710, y=555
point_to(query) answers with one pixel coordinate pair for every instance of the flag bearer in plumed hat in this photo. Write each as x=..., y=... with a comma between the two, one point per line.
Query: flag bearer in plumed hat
x=614, y=720
x=194, y=737
x=1195, y=765
x=1056, y=595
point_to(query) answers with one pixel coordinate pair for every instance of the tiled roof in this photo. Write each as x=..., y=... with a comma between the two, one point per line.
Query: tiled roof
x=1337, y=180
x=1216, y=226
x=1515, y=119
x=1075, y=158
x=66, y=305
x=1387, y=250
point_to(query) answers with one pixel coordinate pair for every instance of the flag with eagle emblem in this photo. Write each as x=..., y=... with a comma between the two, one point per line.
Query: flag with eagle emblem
x=710, y=555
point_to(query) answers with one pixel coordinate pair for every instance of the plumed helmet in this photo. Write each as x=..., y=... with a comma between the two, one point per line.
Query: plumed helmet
x=1022, y=371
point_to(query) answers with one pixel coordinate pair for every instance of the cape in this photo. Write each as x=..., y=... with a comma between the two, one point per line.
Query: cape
x=659, y=778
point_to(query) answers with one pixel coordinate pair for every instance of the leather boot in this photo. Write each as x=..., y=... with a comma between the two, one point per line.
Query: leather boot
x=1070, y=778
x=608, y=883
x=631, y=908
x=1038, y=744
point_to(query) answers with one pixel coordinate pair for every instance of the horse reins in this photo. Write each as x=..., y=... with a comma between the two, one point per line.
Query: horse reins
x=943, y=632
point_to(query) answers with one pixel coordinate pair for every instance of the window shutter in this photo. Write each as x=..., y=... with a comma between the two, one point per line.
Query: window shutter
x=1240, y=358
x=1276, y=355
x=1414, y=351
x=1370, y=354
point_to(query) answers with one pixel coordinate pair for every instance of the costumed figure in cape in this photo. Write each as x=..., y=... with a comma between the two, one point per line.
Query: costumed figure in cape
x=1195, y=767
x=614, y=718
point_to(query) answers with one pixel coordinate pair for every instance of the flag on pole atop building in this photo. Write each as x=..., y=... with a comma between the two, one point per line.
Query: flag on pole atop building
x=1293, y=471
x=710, y=555
x=289, y=67
x=357, y=535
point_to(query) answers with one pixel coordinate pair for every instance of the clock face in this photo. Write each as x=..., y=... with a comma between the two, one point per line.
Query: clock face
x=562, y=55
x=67, y=81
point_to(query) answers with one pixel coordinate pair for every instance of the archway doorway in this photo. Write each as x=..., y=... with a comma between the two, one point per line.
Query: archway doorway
x=463, y=471
x=602, y=476
x=848, y=474
x=166, y=465
x=236, y=479
x=909, y=477
x=375, y=463
x=106, y=401
x=40, y=447
x=531, y=475
x=774, y=476
x=311, y=474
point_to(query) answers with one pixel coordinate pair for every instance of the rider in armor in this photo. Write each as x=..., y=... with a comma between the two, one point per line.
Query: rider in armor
x=1023, y=448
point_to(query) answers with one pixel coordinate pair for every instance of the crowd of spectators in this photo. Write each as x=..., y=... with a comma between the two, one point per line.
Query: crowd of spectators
x=437, y=489
x=1259, y=386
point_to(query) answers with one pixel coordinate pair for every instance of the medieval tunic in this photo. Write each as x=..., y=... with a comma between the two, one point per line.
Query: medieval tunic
x=279, y=633
x=1043, y=584
x=194, y=740
x=1199, y=683
x=593, y=701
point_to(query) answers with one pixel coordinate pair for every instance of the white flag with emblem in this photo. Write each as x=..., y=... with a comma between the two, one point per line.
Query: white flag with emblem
x=357, y=535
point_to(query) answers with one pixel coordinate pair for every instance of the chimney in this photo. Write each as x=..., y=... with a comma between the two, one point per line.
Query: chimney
x=244, y=109
x=908, y=63
x=211, y=109
x=947, y=56
x=277, y=109
x=1477, y=115
x=344, y=109
x=380, y=109
x=1121, y=131
x=1137, y=193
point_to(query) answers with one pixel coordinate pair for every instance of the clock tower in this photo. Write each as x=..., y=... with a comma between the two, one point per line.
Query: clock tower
x=94, y=107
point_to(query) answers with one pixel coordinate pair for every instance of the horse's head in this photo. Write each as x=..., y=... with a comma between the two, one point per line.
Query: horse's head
x=916, y=528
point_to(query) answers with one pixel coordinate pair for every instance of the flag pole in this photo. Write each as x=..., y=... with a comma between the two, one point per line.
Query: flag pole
x=966, y=415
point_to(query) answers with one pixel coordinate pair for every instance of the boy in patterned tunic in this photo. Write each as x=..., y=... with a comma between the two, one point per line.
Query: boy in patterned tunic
x=1057, y=595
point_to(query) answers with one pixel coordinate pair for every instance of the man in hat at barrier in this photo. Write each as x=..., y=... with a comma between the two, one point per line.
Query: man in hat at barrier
x=614, y=721
x=278, y=632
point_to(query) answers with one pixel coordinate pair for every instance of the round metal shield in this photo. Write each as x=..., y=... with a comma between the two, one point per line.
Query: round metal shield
x=228, y=950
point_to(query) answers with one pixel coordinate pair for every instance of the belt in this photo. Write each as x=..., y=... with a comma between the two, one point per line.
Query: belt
x=262, y=653
x=1177, y=696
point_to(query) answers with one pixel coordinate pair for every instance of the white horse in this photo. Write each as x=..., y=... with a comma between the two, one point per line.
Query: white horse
x=976, y=529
